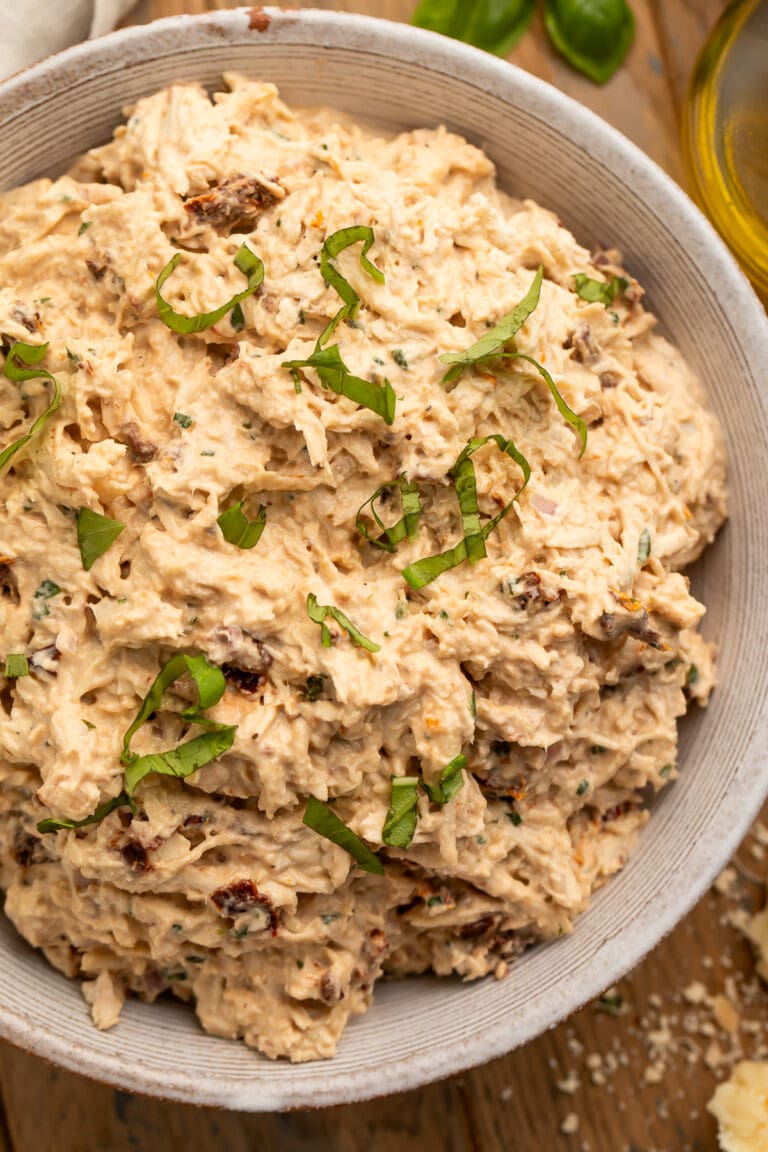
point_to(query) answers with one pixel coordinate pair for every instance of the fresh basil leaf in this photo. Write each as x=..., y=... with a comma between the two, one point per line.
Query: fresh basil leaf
x=95, y=534
x=16, y=368
x=185, y=759
x=400, y=824
x=237, y=529
x=86, y=224
x=52, y=825
x=335, y=376
x=451, y=781
x=16, y=664
x=471, y=548
x=334, y=244
x=318, y=613
x=492, y=343
x=209, y=681
x=245, y=261
x=321, y=819
x=599, y=291
x=644, y=546
x=594, y=36
x=406, y=526
x=495, y=25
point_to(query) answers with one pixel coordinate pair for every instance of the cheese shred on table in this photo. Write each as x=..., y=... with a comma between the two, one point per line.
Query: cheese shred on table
x=194, y=496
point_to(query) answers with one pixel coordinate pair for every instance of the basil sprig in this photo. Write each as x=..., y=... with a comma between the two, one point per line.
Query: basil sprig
x=400, y=824
x=321, y=819
x=494, y=340
x=318, y=614
x=195, y=753
x=593, y=35
x=17, y=368
x=53, y=825
x=406, y=527
x=599, y=291
x=472, y=546
x=95, y=534
x=327, y=362
x=495, y=25
x=450, y=782
x=16, y=664
x=237, y=529
x=245, y=261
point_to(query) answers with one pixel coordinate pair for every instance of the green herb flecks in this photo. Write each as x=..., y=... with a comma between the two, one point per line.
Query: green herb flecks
x=182, y=419
x=16, y=664
x=17, y=368
x=313, y=689
x=245, y=261
x=53, y=825
x=237, y=529
x=86, y=224
x=450, y=782
x=318, y=613
x=599, y=291
x=45, y=592
x=195, y=753
x=495, y=25
x=406, y=527
x=472, y=546
x=594, y=36
x=495, y=339
x=321, y=819
x=644, y=547
x=95, y=534
x=400, y=824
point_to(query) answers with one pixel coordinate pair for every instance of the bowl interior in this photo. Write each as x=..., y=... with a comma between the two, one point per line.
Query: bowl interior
x=607, y=192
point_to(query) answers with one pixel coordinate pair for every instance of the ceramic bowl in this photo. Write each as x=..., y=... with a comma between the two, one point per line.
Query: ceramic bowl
x=547, y=147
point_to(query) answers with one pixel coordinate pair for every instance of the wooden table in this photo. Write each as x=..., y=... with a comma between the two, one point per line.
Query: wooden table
x=602, y=1082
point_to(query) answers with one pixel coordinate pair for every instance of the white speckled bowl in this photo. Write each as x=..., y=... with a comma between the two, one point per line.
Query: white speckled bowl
x=550, y=148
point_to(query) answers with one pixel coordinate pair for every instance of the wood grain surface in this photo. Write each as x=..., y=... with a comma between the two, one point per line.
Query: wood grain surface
x=632, y=1074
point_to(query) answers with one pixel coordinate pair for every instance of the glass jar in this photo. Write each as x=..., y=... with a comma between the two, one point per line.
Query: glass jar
x=725, y=134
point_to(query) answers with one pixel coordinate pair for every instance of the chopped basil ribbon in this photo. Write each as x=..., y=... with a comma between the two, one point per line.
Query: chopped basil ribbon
x=593, y=35
x=327, y=362
x=400, y=824
x=318, y=613
x=495, y=26
x=406, y=526
x=95, y=534
x=451, y=781
x=333, y=245
x=193, y=754
x=472, y=547
x=321, y=819
x=237, y=529
x=16, y=664
x=492, y=343
x=245, y=261
x=52, y=825
x=567, y=413
x=16, y=368
x=599, y=291
x=336, y=377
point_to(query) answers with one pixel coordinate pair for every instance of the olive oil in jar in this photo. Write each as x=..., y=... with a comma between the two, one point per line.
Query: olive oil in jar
x=725, y=134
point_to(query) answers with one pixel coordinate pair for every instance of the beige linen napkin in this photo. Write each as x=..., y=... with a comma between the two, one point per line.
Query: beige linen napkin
x=32, y=29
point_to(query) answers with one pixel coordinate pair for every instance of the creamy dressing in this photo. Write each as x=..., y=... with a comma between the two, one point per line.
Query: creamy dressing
x=558, y=665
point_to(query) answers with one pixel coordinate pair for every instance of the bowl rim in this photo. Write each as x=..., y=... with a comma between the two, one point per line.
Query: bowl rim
x=619, y=952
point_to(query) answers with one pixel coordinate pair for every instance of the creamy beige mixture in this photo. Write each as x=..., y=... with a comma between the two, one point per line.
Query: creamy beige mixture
x=558, y=665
